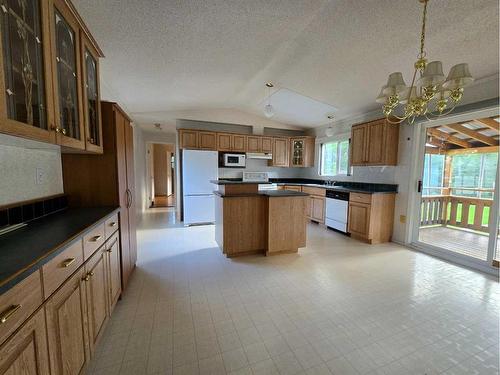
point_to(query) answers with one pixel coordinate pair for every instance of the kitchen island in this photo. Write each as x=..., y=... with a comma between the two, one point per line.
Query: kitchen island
x=249, y=221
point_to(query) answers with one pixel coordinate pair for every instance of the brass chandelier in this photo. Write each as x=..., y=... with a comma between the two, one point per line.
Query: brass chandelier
x=431, y=95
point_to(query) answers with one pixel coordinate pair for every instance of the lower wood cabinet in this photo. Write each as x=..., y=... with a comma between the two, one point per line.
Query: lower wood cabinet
x=113, y=270
x=97, y=295
x=25, y=353
x=317, y=212
x=67, y=330
x=371, y=216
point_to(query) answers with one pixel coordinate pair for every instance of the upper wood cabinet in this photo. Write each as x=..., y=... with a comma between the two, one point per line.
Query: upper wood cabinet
x=223, y=142
x=26, y=74
x=302, y=152
x=91, y=96
x=238, y=142
x=374, y=143
x=280, y=152
x=188, y=138
x=50, y=78
x=257, y=143
x=207, y=141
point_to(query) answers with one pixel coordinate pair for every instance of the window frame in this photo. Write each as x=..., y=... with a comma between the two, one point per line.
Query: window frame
x=337, y=169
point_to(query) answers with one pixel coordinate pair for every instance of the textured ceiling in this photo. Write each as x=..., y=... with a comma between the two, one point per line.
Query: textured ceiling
x=167, y=56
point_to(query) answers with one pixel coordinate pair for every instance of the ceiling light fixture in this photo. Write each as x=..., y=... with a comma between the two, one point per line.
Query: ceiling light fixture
x=268, y=109
x=430, y=94
x=329, y=131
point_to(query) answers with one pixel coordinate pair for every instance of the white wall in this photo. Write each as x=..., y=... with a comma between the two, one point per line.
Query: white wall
x=19, y=159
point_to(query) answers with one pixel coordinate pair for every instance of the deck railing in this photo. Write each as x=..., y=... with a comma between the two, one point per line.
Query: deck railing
x=461, y=212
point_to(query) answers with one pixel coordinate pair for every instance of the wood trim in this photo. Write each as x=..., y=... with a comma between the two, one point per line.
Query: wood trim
x=472, y=150
x=448, y=138
x=473, y=134
x=489, y=122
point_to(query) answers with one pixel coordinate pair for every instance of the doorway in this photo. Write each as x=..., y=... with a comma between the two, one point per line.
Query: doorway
x=458, y=190
x=161, y=160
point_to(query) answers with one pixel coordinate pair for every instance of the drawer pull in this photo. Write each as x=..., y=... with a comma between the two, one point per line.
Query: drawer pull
x=113, y=224
x=86, y=278
x=68, y=262
x=95, y=238
x=91, y=273
x=109, y=250
x=8, y=313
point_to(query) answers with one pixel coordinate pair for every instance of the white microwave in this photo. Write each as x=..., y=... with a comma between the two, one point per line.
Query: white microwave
x=234, y=160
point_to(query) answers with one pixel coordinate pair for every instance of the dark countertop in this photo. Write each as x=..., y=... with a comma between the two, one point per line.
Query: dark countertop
x=25, y=250
x=343, y=186
x=236, y=182
x=265, y=193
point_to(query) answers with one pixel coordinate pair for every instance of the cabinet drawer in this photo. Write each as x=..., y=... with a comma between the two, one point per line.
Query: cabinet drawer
x=18, y=303
x=111, y=225
x=292, y=188
x=314, y=191
x=61, y=267
x=93, y=240
x=360, y=197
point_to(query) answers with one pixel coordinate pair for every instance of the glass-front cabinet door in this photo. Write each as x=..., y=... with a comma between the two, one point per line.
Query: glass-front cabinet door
x=69, y=123
x=91, y=97
x=298, y=146
x=25, y=77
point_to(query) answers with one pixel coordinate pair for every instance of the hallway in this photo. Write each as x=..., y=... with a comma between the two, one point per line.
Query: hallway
x=338, y=307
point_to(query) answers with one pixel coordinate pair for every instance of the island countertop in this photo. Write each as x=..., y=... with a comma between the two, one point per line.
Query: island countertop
x=27, y=249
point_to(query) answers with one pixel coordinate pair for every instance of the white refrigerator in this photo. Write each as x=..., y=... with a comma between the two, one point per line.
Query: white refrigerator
x=198, y=168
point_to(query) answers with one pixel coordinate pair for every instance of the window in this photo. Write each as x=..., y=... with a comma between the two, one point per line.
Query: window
x=334, y=158
x=475, y=173
x=433, y=174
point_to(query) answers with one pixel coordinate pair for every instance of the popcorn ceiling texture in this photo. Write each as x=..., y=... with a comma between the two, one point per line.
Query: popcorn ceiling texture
x=18, y=162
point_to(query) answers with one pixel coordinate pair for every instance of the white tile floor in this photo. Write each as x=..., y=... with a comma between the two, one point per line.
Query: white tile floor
x=338, y=307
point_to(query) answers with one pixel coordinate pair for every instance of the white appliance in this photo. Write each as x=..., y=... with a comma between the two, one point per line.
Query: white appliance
x=268, y=186
x=259, y=155
x=198, y=168
x=255, y=177
x=234, y=160
x=337, y=204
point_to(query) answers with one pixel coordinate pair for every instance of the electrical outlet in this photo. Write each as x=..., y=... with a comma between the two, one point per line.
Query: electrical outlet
x=39, y=176
x=402, y=219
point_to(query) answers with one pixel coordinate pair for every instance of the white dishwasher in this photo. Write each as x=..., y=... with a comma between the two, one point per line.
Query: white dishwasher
x=337, y=205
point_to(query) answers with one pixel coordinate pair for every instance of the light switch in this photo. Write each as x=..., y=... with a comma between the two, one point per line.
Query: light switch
x=39, y=176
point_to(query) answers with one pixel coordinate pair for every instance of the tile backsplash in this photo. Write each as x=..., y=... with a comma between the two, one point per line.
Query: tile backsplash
x=27, y=211
x=258, y=165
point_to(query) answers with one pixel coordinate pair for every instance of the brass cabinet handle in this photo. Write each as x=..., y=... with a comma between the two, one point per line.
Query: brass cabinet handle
x=56, y=128
x=109, y=250
x=5, y=315
x=63, y=131
x=113, y=224
x=86, y=278
x=95, y=238
x=68, y=262
x=91, y=273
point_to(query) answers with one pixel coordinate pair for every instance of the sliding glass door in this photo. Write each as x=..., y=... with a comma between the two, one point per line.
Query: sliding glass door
x=458, y=192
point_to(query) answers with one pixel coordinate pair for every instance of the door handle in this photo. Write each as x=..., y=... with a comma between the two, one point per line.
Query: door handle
x=419, y=186
x=129, y=198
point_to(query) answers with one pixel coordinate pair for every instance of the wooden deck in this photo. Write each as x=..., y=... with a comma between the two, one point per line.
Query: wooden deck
x=456, y=240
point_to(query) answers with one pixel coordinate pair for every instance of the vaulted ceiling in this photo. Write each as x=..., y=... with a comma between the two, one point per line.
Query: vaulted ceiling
x=164, y=56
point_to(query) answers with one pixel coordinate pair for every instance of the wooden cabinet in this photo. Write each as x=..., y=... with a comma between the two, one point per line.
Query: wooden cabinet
x=254, y=143
x=97, y=295
x=207, y=141
x=238, y=142
x=374, y=143
x=257, y=143
x=371, y=216
x=280, y=152
x=223, y=142
x=86, y=188
x=67, y=329
x=26, y=97
x=359, y=219
x=317, y=205
x=188, y=139
x=302, y=152
x=49, y=84
x=292, y=187
x=25, y=353
x=231, y=142
x=91, y=96
x=113, y=271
